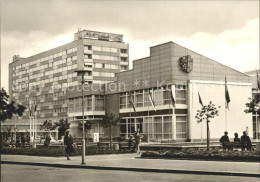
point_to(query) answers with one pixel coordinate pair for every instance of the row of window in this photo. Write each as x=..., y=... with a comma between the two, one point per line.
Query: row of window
x=46, y=58
x=160, y=96
x=105, y=49
x=109, y=66
x=58, y=70
x=107, y=58
x=156, y=127
x=75, y=104
x=105, y=74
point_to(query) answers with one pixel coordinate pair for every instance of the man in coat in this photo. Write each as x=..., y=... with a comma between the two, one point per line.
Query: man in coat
x=224, y=139
x=68, y=142
x=246, y=142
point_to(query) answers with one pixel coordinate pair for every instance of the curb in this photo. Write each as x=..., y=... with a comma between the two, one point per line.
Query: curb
x=135, y=169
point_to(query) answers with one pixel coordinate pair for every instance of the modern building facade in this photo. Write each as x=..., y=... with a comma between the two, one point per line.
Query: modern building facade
x=170, y=72
x=49, y=81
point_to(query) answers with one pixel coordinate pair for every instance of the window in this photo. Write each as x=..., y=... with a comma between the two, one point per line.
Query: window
x=123, y=51
x=87, y=47
x=123, y=59
x=124, y=68
x=88, y=103
x=99, y=103
x=256, y=122
x=139, y=98
x=87, y=56
x=158, y=128
x=122, y=100
x=147, y=101
x=123, y=128
x=180, y=92
x=181, y=127
x=98, y=65
x=167, y=96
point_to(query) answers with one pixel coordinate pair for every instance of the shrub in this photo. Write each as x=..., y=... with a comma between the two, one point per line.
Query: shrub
x=202, y=154
x=57, y=152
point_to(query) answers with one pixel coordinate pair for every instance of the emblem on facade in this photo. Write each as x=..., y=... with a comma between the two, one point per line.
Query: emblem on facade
x=186, y=63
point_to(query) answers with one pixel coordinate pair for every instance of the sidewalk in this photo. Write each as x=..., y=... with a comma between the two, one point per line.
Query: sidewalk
x=131, y=162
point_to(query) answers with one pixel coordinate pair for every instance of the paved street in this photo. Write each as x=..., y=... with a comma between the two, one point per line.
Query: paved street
x=13, y=173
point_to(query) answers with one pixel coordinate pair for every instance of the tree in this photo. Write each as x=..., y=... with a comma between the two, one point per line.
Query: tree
x=88, y=126
x=205, y=113
x=253, y=105
x=48, y=125
x=7, y=110
x=109, y=121
x=62, y=125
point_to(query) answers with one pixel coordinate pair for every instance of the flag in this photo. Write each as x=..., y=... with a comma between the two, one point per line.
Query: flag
x=131, y=101
x=258, y=80
x=30, y=108
x=151, y=99
x=200, y=101
x=172, y=99
x=226, y=93
x=35, y=108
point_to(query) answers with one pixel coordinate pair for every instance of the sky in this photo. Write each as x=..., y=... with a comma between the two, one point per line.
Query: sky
x=225, y=31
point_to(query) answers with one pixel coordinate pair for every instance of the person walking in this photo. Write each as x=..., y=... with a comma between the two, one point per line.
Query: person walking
x=137, y=140
x=68, y=142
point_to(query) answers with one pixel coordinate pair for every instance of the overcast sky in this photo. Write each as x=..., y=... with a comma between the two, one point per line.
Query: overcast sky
x=226, y=31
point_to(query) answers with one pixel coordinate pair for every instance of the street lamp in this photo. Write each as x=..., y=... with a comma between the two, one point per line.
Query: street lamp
x=82, y=73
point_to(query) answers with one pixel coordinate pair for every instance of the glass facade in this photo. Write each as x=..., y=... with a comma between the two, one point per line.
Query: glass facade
x=75, y=104
x=161, y=96
x=156, y=127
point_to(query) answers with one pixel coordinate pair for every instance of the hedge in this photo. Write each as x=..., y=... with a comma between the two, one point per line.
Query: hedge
x=249, y=156
x=56, y=152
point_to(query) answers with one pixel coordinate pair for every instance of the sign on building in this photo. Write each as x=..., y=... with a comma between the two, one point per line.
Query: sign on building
x=96, y=137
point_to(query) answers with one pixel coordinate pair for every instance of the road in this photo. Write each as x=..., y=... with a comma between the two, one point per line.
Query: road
x=28, y=173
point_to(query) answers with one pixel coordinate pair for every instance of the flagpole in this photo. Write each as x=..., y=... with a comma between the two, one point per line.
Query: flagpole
x=30, y=125
x=226, y=116
x=36, y=124
x=148, y=138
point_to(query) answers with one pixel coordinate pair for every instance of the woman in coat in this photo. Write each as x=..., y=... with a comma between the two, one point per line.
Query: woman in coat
x=68, y=142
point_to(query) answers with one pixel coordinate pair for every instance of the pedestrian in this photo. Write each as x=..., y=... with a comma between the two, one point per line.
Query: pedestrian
x=68, y=142
x=130, y=142
x=246, y=142
x=236, y=139
x=48, y=140
x=224, y=140
x=137, y=141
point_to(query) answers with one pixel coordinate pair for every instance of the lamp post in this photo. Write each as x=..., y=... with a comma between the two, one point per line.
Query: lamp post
x=81, y=73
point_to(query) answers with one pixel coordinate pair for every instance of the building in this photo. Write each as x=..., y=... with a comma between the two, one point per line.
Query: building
x=170, y=70
x=255, y=90
x=171, y=67
x=47, y=79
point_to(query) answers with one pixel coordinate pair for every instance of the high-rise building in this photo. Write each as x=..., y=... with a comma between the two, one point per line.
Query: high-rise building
x=48, y=81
